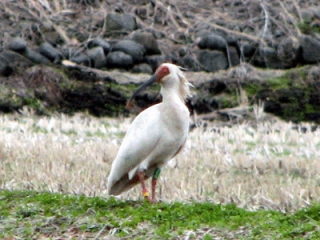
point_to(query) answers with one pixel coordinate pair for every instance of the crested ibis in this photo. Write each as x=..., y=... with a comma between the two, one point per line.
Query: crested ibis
x=155, y=136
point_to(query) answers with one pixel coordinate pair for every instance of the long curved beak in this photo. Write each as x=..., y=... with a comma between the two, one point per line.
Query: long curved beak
x=149, y=82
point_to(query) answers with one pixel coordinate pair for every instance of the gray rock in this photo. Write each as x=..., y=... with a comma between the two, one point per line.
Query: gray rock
x=316, y=11
x=183, y=51
x=18, y=45
x=267, y=57
x=97, y=57
x=142, y=68
x=135, y=50
x=15, y=60
x=88, y=2
x=53, y=38
x=53, y=54
x=81, y=58
x=119, y=59
x=141, y=12
x=212, y=41
x=307, y=15
x=35, y=57
x=288, y=51
x=248, y=50
x=99, y=42
x=232, y=40
x=155, y=61
x=5, y=68
x=68, y=52
x=310, y=49
x=212, y=61
x=117, y=22
x=234, y=56
x=215, y=86
x=189, y=62
x=148, y=41
x=204, y=104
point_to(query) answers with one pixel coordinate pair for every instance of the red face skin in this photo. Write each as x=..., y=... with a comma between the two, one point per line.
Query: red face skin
x=162, y=72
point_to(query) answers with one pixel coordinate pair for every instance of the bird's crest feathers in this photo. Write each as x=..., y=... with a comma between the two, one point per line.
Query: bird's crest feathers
x=184, y=84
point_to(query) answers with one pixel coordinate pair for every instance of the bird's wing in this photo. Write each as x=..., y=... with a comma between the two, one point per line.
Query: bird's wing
x=139, y=141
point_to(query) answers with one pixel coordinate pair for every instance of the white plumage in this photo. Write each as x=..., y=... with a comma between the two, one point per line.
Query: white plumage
x=155, y=136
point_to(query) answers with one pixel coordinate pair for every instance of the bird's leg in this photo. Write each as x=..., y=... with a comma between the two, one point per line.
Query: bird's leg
x=145, y=192
x=155, y=176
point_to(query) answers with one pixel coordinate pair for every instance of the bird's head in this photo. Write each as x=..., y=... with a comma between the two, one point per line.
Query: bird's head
x=169, y=76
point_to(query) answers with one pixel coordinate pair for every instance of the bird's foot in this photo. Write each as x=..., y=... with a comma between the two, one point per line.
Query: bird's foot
x=153, y=200
x=145, y=194
x=147, y=198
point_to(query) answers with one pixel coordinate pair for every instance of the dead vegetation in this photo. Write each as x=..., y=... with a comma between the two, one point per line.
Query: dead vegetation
x=270, y=166
x=181, y=22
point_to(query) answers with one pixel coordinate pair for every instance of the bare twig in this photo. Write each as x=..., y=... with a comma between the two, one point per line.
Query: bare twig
x=101, y=231
x=170, y=16
x=283, y=26
x=41, y=12
x=295, y=4
x=291, y=18
x=45, y=4
x=266, y=20
x=171, y=13
x=57, y=5
x=236, y=33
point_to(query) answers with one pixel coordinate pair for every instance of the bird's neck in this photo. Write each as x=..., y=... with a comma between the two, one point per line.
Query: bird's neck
x=171, y=96
x=174, y=112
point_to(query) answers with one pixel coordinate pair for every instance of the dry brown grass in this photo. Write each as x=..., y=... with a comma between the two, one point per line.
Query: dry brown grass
x=270, y=166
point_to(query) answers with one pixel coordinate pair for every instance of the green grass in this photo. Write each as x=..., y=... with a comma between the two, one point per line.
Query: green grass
x=307, y=28
x=279, y=83
x=30, y=215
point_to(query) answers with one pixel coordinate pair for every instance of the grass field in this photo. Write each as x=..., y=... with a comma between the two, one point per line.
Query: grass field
x=229, y=182
x=31, y=215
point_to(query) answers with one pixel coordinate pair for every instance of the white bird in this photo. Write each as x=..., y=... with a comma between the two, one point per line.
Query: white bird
x=155, y=136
